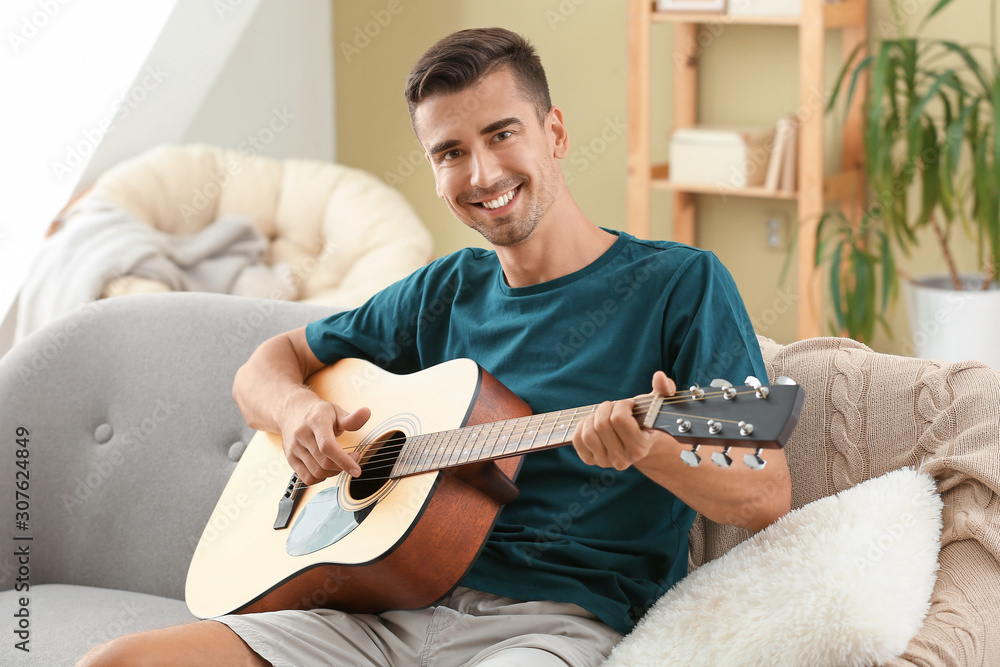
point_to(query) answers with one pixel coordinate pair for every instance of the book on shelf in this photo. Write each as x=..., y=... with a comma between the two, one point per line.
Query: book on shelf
x=781, y=165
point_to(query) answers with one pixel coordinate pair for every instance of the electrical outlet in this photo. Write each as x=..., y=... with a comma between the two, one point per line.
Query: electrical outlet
x=775, y=230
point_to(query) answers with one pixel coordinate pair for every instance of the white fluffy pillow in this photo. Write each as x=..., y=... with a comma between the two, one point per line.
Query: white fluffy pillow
x=845, y=580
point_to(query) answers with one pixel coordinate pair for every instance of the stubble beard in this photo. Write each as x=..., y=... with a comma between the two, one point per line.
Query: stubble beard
x=508, y=231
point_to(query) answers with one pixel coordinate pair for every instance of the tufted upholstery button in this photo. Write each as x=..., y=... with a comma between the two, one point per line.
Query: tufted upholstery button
x=103, y=433
x=236, y=450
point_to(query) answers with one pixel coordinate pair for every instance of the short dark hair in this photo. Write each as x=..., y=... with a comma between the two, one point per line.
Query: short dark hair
x=463, y=58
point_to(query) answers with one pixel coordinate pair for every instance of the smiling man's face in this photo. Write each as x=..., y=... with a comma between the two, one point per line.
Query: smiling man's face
x=495, y=164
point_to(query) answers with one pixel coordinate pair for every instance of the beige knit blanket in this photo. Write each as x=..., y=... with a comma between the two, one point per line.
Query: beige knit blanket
x=868, y=413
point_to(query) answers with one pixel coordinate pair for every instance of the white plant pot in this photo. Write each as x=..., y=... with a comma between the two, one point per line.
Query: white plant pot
x=953, y=325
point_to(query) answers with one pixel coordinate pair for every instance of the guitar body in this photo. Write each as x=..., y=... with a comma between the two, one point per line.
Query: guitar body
x=368, y=546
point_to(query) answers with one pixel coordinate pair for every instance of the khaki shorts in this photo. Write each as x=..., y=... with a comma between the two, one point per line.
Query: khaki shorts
x=467, y=628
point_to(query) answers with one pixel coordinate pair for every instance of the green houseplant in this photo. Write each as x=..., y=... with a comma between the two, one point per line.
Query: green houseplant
x=931, y=115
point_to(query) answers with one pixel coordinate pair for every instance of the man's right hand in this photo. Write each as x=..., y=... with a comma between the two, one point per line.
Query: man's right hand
x=269, y=392
x=310, y=427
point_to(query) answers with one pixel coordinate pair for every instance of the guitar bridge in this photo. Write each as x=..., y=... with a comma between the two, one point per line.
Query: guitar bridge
x=288, y=502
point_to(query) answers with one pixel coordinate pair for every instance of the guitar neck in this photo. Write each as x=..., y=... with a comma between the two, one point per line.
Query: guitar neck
x=486, y=442
x=748, y=416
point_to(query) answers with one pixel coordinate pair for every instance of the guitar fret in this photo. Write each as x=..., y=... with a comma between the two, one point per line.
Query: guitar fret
x=470, y=443
x=501, y=433
x=556, y=418
x=488, y=437
x=514, y=443
x=454, y=439
x=531, y=432
x=399, y=469
x=423, y=457
x=440, y=451
x=410, y=452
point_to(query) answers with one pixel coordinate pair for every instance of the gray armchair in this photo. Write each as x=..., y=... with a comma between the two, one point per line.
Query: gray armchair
x=131, y=435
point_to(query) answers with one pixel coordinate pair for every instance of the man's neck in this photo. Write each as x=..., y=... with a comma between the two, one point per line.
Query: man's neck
x=558, y=247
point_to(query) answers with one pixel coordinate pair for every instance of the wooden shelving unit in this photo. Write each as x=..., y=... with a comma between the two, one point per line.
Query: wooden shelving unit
x=815, y=190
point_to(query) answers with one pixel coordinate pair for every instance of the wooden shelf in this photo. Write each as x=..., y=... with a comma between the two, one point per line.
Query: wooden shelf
x=718, y=17
x=815, y=189
x=838, y=187
x=835, y=15
x=660, y=179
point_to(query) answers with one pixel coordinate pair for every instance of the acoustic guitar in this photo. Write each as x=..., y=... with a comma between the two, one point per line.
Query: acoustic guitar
x=438, y=458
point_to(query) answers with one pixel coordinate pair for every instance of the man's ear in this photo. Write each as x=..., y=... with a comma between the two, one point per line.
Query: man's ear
x=557, y=130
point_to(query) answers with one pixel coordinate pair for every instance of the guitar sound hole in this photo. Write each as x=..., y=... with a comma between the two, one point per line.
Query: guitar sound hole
x=376, y=465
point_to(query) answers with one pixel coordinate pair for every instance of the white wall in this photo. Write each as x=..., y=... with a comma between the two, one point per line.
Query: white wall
x=283, y=62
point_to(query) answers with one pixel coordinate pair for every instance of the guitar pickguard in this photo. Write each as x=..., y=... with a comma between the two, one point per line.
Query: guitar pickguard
x=321, y=523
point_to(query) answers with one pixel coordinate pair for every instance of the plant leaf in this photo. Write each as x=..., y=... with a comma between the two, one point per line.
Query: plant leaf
x=835, y=287
x=937, y=8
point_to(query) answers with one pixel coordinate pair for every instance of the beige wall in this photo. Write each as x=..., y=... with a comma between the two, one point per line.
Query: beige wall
x=749, y=76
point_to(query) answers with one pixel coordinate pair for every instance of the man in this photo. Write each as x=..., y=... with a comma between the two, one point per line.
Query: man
x=564, y=313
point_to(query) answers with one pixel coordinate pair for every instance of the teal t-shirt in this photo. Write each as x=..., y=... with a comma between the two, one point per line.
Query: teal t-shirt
x=612, y=542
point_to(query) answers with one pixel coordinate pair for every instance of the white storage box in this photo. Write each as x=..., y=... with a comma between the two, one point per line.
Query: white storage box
x=725, y=157
x=765, y=7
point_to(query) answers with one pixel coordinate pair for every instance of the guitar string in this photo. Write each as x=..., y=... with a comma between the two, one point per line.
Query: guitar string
x=387, y=452
x=547, y=419
x=541, y=421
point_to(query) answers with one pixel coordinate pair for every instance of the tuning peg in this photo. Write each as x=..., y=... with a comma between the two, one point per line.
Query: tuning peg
x=697, y=393
x=722, y=459
x=728, y=390
x=762, y=392
x=752, y=381
x=784, y=379
x=755, y=461
x=714, y=427
x=691, y=457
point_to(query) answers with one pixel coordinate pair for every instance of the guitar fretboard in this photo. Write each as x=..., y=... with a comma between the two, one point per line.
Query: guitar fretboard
x=484, y=442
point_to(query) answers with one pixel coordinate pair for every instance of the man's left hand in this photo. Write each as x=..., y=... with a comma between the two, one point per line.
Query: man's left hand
x=611, y=437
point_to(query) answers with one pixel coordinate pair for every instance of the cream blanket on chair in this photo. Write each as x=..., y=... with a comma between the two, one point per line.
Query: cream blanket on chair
x=101, y=242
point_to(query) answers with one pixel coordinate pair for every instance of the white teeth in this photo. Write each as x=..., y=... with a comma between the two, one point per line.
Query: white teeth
x=499, y=201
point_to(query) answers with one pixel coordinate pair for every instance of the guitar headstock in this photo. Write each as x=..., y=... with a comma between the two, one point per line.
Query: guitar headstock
x=752, y=415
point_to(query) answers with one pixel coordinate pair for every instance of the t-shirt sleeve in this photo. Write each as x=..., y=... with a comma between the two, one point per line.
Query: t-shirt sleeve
x=382, y=330
x=707, y=332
